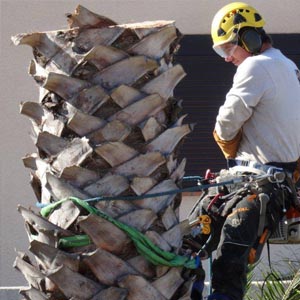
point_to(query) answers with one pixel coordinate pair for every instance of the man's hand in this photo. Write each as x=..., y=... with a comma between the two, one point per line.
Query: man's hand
x=229, y=148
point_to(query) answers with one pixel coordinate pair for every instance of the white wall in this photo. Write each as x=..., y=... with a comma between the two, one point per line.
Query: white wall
x=191, y=16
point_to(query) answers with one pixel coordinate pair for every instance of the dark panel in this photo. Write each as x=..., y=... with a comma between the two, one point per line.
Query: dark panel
x=203, y=90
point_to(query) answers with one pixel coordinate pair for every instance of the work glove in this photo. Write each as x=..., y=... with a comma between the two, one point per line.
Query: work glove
x=229, y=148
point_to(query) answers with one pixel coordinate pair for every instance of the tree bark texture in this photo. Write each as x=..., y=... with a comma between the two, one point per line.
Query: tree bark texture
x=106, y=124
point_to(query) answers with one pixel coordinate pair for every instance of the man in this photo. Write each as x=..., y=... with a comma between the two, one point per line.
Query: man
x=257, y=127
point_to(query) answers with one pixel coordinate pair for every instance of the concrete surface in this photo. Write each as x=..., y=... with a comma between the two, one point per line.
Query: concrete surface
x=10, y=293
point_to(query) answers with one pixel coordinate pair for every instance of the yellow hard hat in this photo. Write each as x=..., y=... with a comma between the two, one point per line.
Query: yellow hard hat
x=231, y=18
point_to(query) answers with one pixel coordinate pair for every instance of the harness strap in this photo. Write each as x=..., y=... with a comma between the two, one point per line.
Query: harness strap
x=289, y=167
x=263, y=199
x=255, y=252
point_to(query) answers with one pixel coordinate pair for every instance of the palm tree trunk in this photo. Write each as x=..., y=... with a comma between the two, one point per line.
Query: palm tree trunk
x=106, y=125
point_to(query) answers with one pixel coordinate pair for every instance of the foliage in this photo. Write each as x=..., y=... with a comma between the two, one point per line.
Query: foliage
x=275, y=286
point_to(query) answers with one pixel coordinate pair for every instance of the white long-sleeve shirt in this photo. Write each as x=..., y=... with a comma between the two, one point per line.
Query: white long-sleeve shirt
x=265, y=102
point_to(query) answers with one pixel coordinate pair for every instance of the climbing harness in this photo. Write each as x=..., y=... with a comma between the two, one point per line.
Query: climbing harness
x=220, y=201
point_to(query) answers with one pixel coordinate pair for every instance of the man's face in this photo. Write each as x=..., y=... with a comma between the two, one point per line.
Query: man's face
x=237, y=56
x=232, y=52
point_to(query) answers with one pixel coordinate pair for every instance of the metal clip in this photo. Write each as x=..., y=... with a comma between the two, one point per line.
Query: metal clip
x=204, y=221
x=276, y=175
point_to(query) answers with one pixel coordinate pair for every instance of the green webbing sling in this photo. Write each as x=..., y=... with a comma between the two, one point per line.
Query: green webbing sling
x=144, y=246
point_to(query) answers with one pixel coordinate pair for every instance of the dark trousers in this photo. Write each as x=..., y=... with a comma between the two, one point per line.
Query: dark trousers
x=238, y=233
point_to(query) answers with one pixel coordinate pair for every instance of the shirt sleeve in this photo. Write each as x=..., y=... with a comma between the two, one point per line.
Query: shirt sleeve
x=249, y=85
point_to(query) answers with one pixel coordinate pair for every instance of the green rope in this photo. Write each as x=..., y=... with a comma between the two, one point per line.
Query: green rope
x=143, y=244
x=74, y=241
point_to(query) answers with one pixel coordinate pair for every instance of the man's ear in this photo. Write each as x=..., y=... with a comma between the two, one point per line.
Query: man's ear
x=251, y=40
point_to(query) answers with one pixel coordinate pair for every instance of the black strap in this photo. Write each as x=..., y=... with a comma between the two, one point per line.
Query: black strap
x=269, y=254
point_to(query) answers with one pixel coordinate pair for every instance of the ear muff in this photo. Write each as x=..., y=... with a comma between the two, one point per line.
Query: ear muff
x=251, y=41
